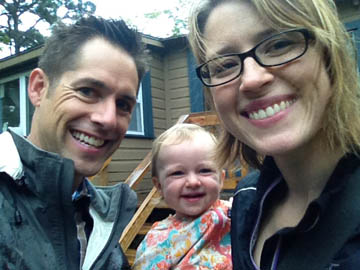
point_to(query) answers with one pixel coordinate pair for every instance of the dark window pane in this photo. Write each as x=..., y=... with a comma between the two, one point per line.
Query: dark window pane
x=9, y=105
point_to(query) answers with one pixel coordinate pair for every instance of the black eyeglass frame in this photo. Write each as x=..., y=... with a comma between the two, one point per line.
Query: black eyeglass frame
x=251, y=53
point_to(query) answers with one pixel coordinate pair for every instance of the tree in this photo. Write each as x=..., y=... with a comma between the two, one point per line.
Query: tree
x=20, y=19
x=177, y=16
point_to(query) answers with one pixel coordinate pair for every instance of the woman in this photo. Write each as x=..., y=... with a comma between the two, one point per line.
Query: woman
x=284, y=82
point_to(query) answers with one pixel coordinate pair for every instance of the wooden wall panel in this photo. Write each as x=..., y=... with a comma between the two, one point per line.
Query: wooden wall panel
x=177, y=86
x=170, y=100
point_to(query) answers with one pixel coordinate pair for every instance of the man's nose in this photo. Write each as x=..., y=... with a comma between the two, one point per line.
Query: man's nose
x=105, y=114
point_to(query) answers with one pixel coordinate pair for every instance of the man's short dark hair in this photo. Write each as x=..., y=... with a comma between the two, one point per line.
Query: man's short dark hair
x=63, y=46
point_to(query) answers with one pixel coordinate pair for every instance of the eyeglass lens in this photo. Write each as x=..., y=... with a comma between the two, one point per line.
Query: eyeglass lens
x=275, y=50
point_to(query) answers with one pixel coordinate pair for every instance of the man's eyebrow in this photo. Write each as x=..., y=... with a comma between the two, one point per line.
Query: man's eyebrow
x=129, y=98
x=89, y=82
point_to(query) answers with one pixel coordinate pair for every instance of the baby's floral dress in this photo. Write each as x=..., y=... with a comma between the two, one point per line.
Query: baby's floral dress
x=188, y=244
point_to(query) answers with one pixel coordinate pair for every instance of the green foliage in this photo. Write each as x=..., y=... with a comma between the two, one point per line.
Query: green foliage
x=180, y=22
x=20, y=19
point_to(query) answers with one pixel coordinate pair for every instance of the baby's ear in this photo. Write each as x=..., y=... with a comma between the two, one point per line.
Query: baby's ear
x=157, y=184
x=222, y=177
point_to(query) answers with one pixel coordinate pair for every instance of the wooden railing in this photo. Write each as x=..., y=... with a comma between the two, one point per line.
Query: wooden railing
x=205, y=119
x=202, y=119
x=146, y=208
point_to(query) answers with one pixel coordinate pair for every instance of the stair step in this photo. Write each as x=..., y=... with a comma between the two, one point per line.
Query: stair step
x=131, y=254
x=145, y=228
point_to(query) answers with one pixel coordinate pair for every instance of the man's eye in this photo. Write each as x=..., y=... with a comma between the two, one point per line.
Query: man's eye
x=124, y=105
x=87, y=92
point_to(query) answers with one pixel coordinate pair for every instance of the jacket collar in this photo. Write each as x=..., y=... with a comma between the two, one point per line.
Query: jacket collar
x=10, y=162
x=48, y=175
x=345, y=170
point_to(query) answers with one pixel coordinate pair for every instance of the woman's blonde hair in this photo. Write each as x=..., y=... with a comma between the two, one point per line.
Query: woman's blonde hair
x=176, y=135
x=341, y=123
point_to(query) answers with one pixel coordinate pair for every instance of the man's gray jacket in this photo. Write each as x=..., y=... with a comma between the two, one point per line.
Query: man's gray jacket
x=37, y=225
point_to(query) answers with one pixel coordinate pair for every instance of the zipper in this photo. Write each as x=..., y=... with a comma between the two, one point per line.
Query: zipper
x=276, y=254
x=257, y=224
x=116, y=222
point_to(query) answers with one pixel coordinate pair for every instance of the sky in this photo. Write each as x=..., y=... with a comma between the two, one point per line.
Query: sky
x=134, y=10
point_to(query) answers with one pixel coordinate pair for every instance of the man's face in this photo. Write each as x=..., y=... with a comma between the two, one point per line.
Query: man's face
x=88, y=113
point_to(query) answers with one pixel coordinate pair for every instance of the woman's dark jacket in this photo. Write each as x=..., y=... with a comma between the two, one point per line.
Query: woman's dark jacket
x=328, y=236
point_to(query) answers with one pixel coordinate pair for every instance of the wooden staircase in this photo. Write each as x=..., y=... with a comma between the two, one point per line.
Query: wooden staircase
x=142, y=219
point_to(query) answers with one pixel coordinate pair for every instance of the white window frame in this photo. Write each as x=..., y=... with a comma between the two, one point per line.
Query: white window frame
x=139, y=102
x=24, y=118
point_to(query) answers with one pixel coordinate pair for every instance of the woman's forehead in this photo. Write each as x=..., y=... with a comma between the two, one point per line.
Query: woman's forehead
x=236, y=33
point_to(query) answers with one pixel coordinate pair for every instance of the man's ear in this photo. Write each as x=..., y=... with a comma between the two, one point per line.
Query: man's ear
x=38, y=86
x=157, y=184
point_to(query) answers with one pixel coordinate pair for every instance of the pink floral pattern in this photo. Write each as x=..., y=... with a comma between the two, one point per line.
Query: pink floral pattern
x=188, y=244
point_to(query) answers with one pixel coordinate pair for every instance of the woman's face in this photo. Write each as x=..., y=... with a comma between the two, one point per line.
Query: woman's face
x=274, y=110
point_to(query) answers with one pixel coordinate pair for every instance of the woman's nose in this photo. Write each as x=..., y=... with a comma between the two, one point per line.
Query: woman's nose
x=254, y=76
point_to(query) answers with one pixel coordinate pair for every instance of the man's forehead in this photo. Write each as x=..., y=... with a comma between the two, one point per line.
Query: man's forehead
x=99, y=45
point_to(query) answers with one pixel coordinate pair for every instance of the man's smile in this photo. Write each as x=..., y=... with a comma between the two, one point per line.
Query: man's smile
x=87, y=139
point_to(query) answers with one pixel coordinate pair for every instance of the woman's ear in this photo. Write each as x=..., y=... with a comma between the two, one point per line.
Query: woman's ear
x=38, y=86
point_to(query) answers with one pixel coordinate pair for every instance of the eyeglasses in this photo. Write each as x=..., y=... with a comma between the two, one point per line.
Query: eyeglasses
x=273, y=51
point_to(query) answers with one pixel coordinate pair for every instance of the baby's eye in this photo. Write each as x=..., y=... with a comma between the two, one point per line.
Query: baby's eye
x=177, y=173
x=206, y=170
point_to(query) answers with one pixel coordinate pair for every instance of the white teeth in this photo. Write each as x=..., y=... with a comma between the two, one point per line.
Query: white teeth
x=282, y=105
x=271, y=110
x=277, y=108
x=88, y=140
x=262, y=114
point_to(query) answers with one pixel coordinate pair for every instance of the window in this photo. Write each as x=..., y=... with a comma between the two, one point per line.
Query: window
x=136, y=126
x=197, y=99
x=141, y=124
x=354, y=28
x=15, y=108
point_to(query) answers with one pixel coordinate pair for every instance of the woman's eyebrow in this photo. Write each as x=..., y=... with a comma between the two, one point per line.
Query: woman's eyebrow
x=232, y=48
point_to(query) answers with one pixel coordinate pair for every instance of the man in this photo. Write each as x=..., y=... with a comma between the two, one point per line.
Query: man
x=84, y=92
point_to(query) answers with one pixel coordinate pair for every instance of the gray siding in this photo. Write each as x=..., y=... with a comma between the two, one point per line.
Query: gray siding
x=177, y=86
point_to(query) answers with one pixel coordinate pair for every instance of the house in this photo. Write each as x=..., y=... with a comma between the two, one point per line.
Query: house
x=170, y=89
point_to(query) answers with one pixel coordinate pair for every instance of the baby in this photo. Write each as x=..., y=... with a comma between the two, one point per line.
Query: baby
x=197, y=236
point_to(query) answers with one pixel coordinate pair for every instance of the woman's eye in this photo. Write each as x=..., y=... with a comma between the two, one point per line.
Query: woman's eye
x=279, y=46
x=222, y=68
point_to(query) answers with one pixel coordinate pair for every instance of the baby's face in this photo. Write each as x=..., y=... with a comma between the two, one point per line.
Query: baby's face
x=188, y=178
